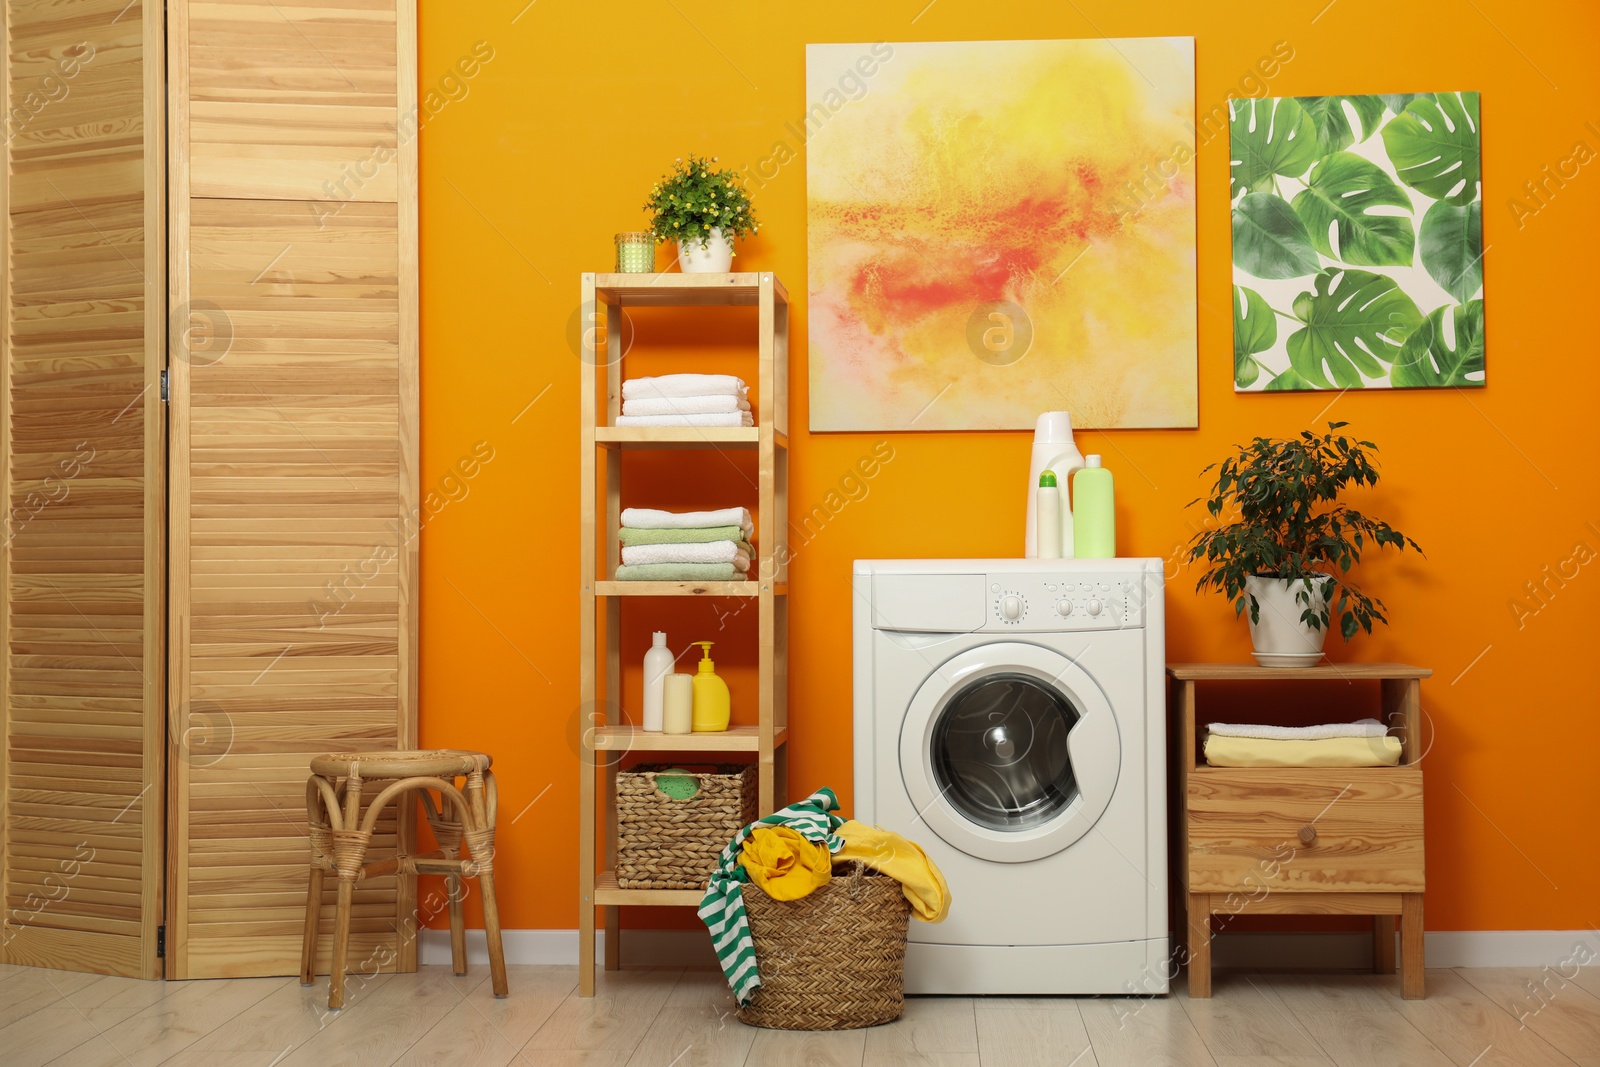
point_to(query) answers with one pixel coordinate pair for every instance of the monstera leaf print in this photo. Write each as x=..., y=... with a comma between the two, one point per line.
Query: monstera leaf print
x=1351, y=216
x=1269, y=240
x=1267, y=138
x=1255, y=329
x=1433, y=145
x=1429, y=359
x=1334, y=132
x=1452, y=247
x=1355, y=323
x=1341, y=193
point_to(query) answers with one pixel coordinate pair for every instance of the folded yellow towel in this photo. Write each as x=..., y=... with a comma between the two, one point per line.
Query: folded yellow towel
x=1224, y=751
x=902, y=860
x=783, y=863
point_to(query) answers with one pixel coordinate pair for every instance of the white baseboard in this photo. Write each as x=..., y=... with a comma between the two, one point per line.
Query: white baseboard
x=1271, y=951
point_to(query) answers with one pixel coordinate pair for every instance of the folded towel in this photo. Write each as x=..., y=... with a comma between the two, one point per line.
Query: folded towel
x=684, y=405
x=1363, y=728
x=651, y=519
x=715, y=418
x=1222, y=751
x=684, y=385
x=630, y=536
x=702, y=552
x=680, y=572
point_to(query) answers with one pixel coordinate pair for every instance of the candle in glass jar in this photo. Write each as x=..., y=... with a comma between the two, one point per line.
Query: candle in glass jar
x=636, y=253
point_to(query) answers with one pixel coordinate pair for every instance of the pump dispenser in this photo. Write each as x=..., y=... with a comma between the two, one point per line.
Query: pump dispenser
x=712, y=705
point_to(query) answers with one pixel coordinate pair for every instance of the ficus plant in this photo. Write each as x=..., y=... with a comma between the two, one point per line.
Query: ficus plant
x=1280, y=513
x=695, y=198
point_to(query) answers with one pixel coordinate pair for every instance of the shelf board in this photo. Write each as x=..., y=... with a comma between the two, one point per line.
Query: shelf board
x=687, y=588
x=628, y=738
x=1327, y=672
x=641, y=437
x=672, y=289
x=608, y=892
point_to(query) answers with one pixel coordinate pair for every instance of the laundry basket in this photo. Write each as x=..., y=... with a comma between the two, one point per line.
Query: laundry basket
x=832, y=960
x=667, y=843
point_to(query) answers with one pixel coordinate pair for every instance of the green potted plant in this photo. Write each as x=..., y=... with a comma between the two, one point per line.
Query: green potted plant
x=1287, y=541
x=703, y=209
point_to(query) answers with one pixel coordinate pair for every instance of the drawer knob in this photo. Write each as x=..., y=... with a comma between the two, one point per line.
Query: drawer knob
x=1308, y=834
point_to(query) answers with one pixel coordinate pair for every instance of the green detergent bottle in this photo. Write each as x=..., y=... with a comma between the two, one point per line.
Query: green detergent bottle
x=1094, y=511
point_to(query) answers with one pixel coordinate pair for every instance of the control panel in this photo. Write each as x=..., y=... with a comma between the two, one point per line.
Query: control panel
x=1055, y=602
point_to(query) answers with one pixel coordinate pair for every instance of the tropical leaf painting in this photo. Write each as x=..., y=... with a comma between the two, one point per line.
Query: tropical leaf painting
x=1357, y=242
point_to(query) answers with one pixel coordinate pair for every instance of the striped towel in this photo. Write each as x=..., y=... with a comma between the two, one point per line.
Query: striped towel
x=722, y=908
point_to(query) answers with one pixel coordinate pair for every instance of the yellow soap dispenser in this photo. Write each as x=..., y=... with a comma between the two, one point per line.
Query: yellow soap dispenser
x=712, y=706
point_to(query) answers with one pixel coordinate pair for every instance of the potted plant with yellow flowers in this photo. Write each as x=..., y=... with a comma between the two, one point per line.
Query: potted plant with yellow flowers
x=703, y=209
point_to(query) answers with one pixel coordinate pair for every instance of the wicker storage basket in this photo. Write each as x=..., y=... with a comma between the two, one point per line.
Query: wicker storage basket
x=664, y=843
x=832, y=960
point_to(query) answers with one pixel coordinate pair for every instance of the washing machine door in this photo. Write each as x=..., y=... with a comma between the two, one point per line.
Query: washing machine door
x=1010, y=752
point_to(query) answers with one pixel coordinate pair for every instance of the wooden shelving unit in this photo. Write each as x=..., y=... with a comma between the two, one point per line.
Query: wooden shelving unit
x=601, y=596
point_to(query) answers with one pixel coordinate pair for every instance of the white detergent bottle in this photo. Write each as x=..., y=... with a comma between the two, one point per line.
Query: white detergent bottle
x=658, y=663
x=1053, y=449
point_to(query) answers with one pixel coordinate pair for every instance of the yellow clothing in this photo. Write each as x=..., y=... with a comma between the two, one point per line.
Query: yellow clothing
x=901, y=860
x=783, y=863
x=1327, y=752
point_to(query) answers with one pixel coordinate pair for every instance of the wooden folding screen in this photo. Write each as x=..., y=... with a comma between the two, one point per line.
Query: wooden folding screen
x=294, y=455
x=81, y=427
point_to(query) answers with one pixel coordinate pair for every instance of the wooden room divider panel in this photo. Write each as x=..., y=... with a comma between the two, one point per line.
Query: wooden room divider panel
x=294, y=457
x=82, y=429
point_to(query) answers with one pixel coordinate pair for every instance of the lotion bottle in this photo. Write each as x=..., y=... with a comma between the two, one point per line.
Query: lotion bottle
x=1094, y=511
x=658, y=663
x=1048, y=510
x=677, y=704
x=712, y=705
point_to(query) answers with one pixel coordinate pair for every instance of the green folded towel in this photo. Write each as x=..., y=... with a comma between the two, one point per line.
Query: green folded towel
x=628, y=535
x=679, y=572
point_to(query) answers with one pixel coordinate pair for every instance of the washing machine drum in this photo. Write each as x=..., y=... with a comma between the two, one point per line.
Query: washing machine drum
x=1010, y=752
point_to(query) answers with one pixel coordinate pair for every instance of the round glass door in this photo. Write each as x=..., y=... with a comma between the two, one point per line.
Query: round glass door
x=1009, y=751
x=1000, y=754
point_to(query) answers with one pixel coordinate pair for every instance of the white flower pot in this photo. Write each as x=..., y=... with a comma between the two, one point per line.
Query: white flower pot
x=1277, y=635
x=715, y=258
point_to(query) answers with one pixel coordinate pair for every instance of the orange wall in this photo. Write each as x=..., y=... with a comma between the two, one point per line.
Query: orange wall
x=550, y=151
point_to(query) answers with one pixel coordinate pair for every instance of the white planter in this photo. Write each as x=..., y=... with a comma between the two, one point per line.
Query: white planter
x=1278, y=636
x=716, y=258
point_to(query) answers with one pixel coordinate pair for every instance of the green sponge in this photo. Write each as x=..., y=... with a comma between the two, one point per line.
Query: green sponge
x=676, y=783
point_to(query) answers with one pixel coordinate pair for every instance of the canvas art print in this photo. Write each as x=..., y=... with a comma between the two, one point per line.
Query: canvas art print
x=1357, y=242
x=1000, y=228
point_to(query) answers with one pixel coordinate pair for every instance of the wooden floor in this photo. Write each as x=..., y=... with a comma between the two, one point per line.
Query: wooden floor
x=677, y=1018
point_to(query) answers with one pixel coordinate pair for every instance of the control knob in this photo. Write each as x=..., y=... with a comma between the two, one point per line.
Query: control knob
x=1094, y=607
x=1011, y=607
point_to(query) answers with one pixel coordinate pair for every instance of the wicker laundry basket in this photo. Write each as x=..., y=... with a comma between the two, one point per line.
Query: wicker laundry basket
x=832, y=960
x=664, y=843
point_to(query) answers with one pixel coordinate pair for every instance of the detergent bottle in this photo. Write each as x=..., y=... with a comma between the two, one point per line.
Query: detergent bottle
x=1053, y=449
x=712, y=706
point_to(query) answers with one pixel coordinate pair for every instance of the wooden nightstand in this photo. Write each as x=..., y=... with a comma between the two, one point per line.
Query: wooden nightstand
x=1304, y=840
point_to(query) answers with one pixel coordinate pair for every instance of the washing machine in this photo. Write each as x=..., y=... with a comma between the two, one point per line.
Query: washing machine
x=1010, y=718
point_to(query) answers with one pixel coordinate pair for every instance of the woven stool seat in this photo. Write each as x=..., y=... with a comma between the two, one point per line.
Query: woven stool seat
x=439, y=763
x=341, y=818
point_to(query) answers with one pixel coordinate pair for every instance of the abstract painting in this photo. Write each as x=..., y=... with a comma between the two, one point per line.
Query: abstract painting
x=1000, y=228
x=1357, y=242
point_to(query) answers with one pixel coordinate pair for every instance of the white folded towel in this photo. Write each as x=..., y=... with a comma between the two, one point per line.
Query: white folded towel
x=732, y=552
x=684, y=405
x=1362, y=728
x=723, y=418
x=684, y=385
x=651, y=519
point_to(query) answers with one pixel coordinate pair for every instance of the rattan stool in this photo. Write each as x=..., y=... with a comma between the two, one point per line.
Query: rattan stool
x=340, y=833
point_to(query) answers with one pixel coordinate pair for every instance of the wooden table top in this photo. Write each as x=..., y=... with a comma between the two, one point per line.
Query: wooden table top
x=1240, y=672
